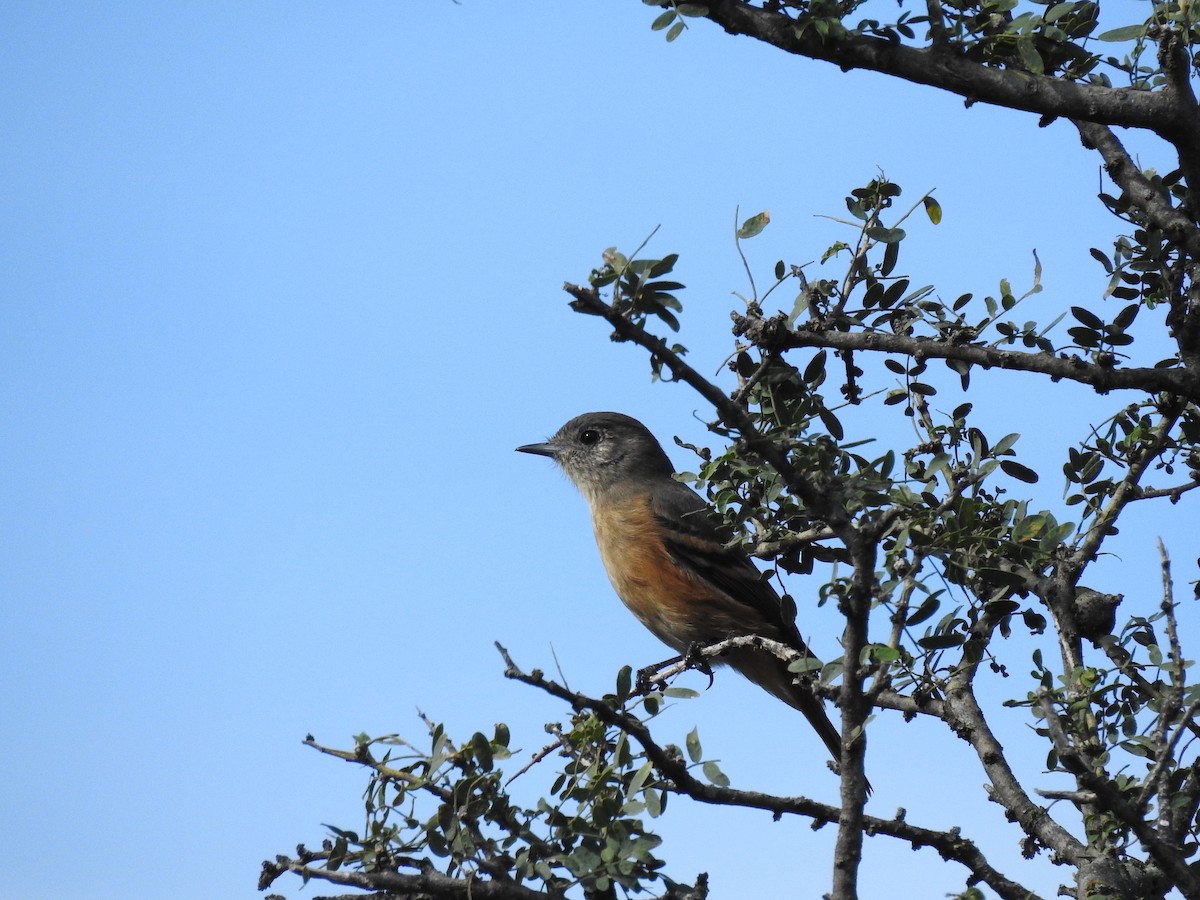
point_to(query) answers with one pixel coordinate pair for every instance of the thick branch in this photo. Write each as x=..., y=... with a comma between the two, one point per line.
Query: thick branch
x=966, y=718
x=1175, y=60
x=943, y=68
x=856, y=607
x=1126, y=174
x=1151, y=380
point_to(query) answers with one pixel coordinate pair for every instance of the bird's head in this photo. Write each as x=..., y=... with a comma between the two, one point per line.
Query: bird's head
x=602, y=450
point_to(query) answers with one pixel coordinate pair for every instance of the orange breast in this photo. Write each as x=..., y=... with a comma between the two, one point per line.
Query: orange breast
x=665, y=598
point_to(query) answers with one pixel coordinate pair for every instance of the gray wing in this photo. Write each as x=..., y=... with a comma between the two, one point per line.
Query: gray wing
x=697, y=539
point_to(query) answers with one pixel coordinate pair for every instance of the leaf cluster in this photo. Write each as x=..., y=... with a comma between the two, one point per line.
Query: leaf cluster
x=448, y=808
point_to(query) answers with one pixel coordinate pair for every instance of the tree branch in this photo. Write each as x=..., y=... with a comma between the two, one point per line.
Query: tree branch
x=587, y=300
x=425, y=884
x=1165, y=853
x=1125, y=492
x=847, y=854
x=773, y=332
x=948, y=70
x=949, y=844
x=1126, y=174
x=1176, y=64
x=964, y=715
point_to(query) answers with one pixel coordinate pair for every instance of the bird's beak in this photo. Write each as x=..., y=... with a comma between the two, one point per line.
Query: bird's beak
x=546, y=449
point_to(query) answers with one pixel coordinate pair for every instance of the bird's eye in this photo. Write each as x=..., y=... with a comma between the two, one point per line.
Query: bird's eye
x=589, y=436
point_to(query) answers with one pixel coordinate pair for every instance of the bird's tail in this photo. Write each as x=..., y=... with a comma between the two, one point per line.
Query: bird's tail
x=772, y=675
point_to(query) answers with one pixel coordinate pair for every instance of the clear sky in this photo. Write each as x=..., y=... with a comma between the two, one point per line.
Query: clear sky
x=282, y=292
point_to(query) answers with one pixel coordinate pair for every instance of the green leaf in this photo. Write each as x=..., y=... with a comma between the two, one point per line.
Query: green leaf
x=1002, y=607
x=1005, y=444
x=695, y=10
x=925, y=610
x=754, y=225
x=624, y=682
x=1087, y=317
x=1126, y=316
x=437, y=754
x=833, y=250
x=483, y=751
x=933, y=209
x=1057, y=11
x=804, y=664
x=831, y=423
x=814, y=372
x=890, y=254
x=693, y=746
x=676, y=30
x=1139, y=746
x=1125, y=33
x=663, y=20
x=1019, y=472
x=1102, y=259
x=1084, y=337
x=882, y=652
x=885, y=235
x=664, y=265
x=681, y=693
x=939, y=463
x=1030, y=58
x=963, y=368
x=1030, y=528
x=714, y=774
x=941, y=641
x=639, y=779
x=653, y=803
x=799, y=307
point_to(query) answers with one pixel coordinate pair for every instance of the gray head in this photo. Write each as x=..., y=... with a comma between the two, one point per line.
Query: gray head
x=600, y=450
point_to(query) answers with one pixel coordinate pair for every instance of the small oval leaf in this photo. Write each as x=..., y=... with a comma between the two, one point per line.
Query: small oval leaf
x=1018, y=471
x=754, y=225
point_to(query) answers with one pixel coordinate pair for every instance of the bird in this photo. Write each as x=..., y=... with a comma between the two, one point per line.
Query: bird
x=669, y=559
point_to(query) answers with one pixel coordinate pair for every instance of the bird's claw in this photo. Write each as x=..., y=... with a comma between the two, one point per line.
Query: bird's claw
x=647, y=678
x=693, y=658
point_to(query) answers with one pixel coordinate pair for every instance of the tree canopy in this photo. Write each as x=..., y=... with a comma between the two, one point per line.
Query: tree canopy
x=928, y=549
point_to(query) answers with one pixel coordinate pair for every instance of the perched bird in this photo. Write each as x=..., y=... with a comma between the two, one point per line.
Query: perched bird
x=666, y=554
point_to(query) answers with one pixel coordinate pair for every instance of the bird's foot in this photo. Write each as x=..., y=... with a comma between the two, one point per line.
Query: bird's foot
x=648, y=678
x=693, y=658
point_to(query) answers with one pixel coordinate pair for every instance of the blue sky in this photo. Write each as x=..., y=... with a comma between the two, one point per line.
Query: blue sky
x=282, y=293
